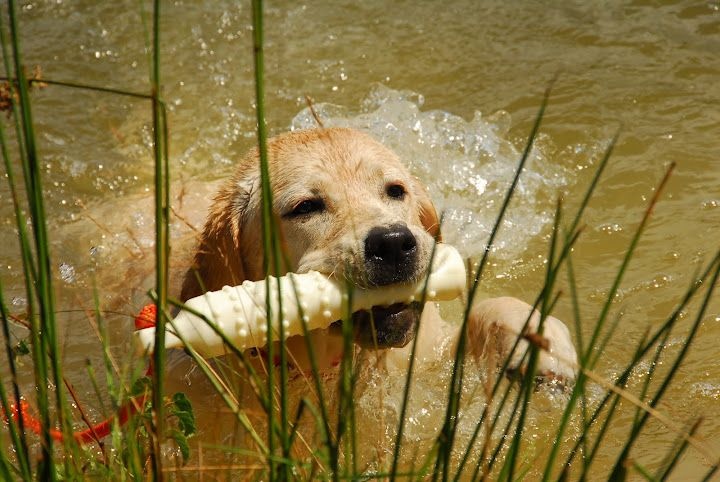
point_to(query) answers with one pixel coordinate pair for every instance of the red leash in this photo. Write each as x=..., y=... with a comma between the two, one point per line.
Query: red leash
x=146, y=319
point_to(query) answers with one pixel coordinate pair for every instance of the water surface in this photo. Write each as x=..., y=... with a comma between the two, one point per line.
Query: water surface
x=454, y=90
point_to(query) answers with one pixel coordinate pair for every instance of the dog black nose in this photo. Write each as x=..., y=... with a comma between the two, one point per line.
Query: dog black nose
x=390, y=254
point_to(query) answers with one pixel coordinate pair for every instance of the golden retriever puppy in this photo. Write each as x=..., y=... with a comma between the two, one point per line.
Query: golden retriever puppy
x=347, y=207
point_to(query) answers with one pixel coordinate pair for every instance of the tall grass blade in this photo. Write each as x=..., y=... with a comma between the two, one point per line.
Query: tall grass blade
x=81, y=86
x=43, y=328
x=659, y=333
x=162, y=240
x=528, y=384
x=586, y=360
x=676, y=452
x=577, y=319
x=446, y=437
x=564, y=253
x=346, y=421
x=17, y=433
x=218, y=384
x=411, y=366
x=711, y=473
x=637, y=428
x=325, y=431
x=19, y=441
x=271, y=251
x=612, y=410
x=576, y=308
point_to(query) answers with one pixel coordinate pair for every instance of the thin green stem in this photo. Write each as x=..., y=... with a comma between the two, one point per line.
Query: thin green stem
x=447, y=433
x=676, y=452
x=81, y=86
x=47, y=343
x=161, y=246
x=411, y=366
x=586, y=359
x=637, y=428
x=270, y=247
x=529, y=378
x=17, y=435
x=659, y=333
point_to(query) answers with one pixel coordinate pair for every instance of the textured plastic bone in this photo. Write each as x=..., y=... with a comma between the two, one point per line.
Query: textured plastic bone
x=239, y=312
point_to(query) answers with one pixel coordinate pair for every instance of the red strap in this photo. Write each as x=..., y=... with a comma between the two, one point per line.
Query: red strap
x=146, y=319
x=96, y=432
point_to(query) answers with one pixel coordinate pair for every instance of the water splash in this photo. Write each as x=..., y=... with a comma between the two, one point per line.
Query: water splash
x=467, y=166
x=67, y=273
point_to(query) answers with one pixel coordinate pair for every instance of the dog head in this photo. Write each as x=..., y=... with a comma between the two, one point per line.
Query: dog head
x=345, y=206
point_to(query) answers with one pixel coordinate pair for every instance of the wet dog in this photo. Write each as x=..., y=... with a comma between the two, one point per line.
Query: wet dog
x=347, y=207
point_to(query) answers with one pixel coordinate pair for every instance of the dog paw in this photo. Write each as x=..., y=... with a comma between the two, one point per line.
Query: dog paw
x=496, y=324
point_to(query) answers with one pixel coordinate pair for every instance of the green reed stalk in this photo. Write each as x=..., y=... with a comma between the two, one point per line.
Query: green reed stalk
x=346, y=386
x=612, y=410
x=43, y=328
x=624, y=376
x=411, y=364
x=271, y=251
x=31, y=272
x=576, y=307
x=619, y=468
x=445, y=439
x=528, y=384
x=575, y=304
x=223, y=391
x=564, y=252
x=162, y=202
x=489, y=432
x=711, y=473
x=112, y=389
x=265, y=400
x=586, y=361
x=19, y=440
x=571, y=238
x=651, y=371
x=577, y=320
x=326, y=432
x=500, y=445
x=676, y=452
x=17, y=433
x=594, y=182
x=623, y=267
x=569, y=243
x=5, y=466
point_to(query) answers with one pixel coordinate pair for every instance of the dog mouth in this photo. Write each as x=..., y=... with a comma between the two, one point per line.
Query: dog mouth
x=391, y=326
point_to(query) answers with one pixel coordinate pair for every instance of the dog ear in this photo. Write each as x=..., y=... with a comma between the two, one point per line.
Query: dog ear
x=218, y=259
x=428, y=215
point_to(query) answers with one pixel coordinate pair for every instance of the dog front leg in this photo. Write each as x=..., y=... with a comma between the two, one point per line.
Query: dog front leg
x=494, y=327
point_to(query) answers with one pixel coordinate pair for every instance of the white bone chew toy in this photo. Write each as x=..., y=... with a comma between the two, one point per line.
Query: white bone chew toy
x=239, y=311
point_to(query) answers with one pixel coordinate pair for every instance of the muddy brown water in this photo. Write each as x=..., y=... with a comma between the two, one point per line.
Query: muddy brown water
x=454, y=88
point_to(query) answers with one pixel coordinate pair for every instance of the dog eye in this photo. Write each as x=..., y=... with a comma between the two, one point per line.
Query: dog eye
x=395, y=191
x=307, y=206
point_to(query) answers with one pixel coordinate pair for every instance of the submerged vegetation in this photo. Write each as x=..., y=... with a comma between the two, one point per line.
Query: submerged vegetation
x=496, y=449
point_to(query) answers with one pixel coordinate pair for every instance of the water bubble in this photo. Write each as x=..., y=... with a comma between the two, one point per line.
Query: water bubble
x=67, y=273
x=609, y=228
